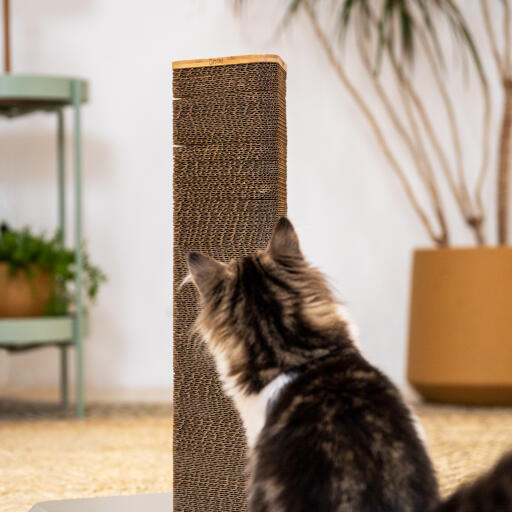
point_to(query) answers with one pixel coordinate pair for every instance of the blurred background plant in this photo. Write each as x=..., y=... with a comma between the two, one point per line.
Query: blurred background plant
x=26, y=252
x=389, y=37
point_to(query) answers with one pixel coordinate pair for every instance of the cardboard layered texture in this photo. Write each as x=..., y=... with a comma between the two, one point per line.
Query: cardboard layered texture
x=229, y=134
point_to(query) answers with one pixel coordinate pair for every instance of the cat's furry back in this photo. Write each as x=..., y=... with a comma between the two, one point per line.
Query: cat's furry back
x=327, y=431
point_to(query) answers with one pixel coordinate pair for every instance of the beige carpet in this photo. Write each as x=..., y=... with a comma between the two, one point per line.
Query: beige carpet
x=126, y=449
x=464, y=442
x=118, y=449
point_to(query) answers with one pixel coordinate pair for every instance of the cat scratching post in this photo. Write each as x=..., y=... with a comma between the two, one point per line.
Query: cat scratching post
x=229, y=190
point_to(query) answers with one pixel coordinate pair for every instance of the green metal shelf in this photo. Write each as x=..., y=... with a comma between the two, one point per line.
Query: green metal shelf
x=19, y=332
x=20, y=95
x=23, y=331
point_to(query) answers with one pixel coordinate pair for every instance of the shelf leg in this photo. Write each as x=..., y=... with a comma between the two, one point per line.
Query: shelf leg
x=63, y=376
x=61, y=175
x=64, y=384
x=78, y=331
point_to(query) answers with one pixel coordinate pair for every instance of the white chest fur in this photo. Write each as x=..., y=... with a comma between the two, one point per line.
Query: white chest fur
x=252, y=408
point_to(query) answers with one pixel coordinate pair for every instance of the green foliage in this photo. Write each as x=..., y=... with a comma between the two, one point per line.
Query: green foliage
x=24, y=251
x=395, y=24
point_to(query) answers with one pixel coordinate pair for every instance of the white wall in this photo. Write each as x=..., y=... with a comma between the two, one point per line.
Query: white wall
x=355, y=221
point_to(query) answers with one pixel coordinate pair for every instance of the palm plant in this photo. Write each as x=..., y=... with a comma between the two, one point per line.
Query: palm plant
x=389, y=35
x=503, y=62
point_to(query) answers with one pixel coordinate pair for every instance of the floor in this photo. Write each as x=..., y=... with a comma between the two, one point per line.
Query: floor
x=463, y=442
x=158, y=396
x=122, y=447
x=125, y=448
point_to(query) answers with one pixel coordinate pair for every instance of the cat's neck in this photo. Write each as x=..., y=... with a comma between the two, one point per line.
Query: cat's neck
x=253, y=408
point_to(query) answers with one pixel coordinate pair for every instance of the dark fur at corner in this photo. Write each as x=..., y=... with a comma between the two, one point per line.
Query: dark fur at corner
x=492, y=492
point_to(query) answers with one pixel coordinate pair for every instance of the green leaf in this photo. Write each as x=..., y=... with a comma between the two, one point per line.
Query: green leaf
x=24, y=251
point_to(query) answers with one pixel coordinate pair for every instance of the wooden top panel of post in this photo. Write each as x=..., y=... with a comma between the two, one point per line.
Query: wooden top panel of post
x=228, y=61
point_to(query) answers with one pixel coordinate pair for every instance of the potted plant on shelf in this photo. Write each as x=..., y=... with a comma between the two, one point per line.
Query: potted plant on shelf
x=37, y=275
x=460, y=329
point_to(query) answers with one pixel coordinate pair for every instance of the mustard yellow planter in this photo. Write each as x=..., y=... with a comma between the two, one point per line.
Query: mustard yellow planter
x=460, y=325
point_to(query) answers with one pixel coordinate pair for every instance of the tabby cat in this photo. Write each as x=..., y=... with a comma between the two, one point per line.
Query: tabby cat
x=326, y=430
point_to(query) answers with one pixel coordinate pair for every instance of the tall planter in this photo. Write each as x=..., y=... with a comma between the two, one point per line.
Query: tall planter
x=460, y=331
x=23, y=297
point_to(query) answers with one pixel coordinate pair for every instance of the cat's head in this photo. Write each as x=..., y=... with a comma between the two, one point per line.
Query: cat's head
x=266, y=313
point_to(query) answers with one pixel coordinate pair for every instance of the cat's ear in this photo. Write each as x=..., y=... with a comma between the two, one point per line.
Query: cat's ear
x=205, y=271
x=284, y=242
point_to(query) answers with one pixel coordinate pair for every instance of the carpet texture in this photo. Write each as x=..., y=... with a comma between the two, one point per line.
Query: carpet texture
x=464, y=441
x=126, y=449
x=117, y=449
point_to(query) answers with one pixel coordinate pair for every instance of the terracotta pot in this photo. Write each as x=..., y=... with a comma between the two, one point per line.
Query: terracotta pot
x=460, y=331
x=20, y=297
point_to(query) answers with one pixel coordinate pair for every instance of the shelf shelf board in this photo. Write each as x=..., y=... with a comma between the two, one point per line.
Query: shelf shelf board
x=18, y=332
x=22, y=94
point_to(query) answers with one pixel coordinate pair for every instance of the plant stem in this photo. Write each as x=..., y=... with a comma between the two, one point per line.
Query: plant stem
x=504, y=164
x=416, y=149
x=465, y=200
x=7, y=38
x=506, y=36
x=460, y=191
x=423, y=155
x=490, y=35
x=503, y=66
x=440, y=240
x=486, y=133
